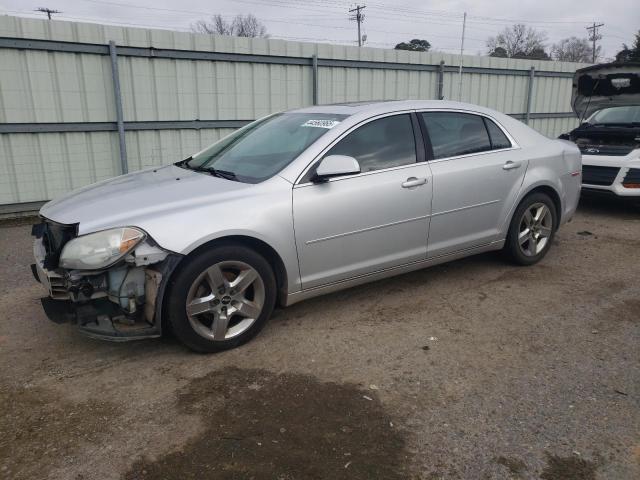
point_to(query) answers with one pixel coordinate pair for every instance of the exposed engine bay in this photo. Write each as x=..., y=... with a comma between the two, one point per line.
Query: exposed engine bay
x=609, y=140
x=120, y=302
x=606, y=99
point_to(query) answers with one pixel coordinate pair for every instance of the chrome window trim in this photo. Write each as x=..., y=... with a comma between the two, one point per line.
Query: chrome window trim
x=362, y=174
x=446, y=159
x=514, y=144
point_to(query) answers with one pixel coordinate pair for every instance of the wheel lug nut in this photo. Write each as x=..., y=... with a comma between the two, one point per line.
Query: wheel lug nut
x=216, y=301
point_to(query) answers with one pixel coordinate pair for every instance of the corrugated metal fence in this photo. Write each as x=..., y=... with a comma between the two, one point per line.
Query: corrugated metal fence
x=83, y=102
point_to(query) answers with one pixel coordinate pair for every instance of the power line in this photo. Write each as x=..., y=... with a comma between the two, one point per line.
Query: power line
x=359, y=18
x=386, y=12
x=287, y=21
x=397, y=13
x=594, y=36
x=48, y=11
x=172, y=26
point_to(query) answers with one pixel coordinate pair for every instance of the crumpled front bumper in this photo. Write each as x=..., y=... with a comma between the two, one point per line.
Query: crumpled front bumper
x=97, y=314
x=97, y=319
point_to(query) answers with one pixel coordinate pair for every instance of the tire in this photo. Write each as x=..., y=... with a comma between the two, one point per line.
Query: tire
x=244, y=307
x=524, y=245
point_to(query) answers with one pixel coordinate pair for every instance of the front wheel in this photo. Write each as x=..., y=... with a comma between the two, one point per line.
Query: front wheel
x=221, y=298
x=532, y=228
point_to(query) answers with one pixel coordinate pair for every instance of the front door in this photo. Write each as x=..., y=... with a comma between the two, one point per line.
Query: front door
x=359, y=224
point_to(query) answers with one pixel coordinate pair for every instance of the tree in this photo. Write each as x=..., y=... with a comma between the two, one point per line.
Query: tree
x=574, y=49
x=630, y=54
x=518, y=41
x=498, y=52
x=535, y=54
x=240, y=26
x=415, y=45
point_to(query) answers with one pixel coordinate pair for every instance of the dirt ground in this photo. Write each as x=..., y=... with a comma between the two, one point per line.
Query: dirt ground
x=472, y=370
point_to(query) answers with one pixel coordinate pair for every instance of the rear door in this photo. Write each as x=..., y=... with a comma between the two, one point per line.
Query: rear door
x=475, y=179
x=359, y=224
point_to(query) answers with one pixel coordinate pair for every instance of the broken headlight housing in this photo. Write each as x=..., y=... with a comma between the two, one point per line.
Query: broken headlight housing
x=100, y=249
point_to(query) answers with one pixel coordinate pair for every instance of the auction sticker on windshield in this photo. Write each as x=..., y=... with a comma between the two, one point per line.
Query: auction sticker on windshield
x=321, y=123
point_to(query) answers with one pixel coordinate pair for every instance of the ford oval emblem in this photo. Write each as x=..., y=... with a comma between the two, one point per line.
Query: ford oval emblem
x=592, y=150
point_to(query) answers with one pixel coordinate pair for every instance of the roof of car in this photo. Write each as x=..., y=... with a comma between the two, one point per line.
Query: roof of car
x=359, y=111
x=383, y=106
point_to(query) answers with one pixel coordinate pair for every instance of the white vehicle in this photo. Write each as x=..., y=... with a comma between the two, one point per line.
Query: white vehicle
x=608, y=97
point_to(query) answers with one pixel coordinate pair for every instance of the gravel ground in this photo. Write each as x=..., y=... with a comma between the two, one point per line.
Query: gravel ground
x=471, y=370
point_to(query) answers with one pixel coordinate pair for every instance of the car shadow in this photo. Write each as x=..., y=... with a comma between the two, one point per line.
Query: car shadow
x=610, y=206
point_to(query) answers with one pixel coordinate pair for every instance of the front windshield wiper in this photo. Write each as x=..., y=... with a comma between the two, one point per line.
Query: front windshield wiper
x=226, y=174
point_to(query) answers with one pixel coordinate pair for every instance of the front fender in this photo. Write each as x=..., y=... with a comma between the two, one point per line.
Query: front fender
x=265, y=216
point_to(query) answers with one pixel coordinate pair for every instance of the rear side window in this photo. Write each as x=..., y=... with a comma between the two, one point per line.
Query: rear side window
x=384, y=143
x=453, y=133
x=498, y=138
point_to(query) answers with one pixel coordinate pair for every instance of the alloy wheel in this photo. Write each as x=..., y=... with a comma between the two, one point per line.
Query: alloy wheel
x=536, y=227
x=225, y=300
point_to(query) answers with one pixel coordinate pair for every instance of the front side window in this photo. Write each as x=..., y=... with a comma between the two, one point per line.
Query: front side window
x=453, y=133
x=263, y=148
x=383, y=143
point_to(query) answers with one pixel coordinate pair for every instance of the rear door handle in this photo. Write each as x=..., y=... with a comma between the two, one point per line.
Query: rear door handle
x=413, y=182
x=509, y=165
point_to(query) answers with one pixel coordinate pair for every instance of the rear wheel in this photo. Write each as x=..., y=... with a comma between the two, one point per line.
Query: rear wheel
x=221, y=298
x=532, y=229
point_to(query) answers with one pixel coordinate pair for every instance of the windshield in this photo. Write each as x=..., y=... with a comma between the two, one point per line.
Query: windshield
x=263, y=148
x=616, y=115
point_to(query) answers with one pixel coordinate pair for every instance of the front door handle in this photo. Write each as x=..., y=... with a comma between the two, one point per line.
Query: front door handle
x=509, y=165
x=413, y=182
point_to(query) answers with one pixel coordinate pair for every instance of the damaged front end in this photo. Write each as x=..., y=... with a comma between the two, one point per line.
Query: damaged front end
x=110, y=284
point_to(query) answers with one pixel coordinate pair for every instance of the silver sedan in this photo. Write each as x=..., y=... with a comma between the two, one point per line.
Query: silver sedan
x=295, y=205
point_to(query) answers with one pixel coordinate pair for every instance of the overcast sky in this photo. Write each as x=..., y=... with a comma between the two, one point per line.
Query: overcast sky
x=386, y=22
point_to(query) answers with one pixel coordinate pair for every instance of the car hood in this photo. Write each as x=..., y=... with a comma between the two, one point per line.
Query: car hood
x=606, y=85
x=123, y=200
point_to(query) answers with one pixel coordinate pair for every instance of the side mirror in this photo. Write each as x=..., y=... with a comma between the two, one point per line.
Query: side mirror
x=335, y=166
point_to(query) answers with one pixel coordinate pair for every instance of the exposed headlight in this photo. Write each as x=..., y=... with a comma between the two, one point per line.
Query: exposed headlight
x=100, y=249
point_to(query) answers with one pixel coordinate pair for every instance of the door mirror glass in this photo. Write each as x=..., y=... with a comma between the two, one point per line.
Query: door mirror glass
x=335, y=166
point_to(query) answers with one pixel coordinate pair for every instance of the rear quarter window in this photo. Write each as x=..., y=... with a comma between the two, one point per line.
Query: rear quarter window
x=497, y=137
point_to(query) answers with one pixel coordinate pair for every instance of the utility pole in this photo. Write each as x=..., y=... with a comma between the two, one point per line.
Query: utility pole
x=464, y=25
x=358, y=17
x=594, y=37
x=48, y=11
